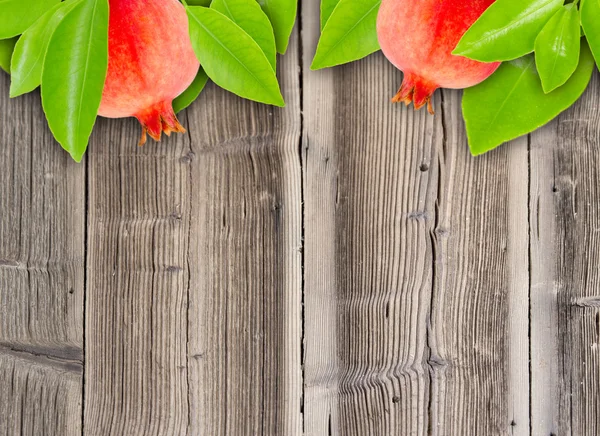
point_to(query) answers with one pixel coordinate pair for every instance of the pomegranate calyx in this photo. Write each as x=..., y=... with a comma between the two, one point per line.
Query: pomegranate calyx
x=157, y=119
x=416, y=90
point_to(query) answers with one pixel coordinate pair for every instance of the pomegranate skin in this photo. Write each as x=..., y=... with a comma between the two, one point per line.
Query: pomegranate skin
x=150, y=62
x=419, y=37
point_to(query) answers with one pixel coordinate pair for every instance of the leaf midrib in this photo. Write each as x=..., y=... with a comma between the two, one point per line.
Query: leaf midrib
x=48, y=31
x=509, y=94
x=564, y=21
x=234, y=56
x=85, y=71
x=334, y=46
x=491, y=35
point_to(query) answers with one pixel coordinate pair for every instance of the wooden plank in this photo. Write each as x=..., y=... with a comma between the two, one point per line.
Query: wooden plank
x=136, y=303
x=40, y=395
x=415, y=295
x=545, y=355
x=479, y=352
x=368, y=209
x=565, y=321
x=42, y=204
x=245, y=263
x=518, y=281
x=188, y=329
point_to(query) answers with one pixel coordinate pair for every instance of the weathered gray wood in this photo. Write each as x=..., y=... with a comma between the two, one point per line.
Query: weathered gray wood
x=412, y=281
x=136, y=302
x=416, y=269
x=518, y=281
x=565, y=320
x=245, y=263
x=42, y=225
x=193, y=304
x=545, y=355
x=480, y=305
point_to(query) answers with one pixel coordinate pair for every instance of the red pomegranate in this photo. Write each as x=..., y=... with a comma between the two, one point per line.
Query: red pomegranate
x=150, y=62
x=419, y=37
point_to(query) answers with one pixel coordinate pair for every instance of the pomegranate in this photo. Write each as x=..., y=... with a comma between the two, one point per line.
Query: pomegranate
x=419, y=37
x=150, y=62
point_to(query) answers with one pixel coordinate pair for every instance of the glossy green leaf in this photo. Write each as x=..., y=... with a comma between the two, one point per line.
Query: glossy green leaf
x=191, y=93
x=231, y=58
x=590, y=20
x=250, y=17
x=327, y=7
x=205, y=3
x=350, y=34
x=6, y=50
x=74, y=73
x=30, y=51
x=282, y=14
x=512, y=102
x=17, y=15
x=557, y=48
x=507, y=30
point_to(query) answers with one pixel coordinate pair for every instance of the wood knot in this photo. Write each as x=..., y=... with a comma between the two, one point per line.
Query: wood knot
x=418, y=215
x=187, y=158
x=587, y=302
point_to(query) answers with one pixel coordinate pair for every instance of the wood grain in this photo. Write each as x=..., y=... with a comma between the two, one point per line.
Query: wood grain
x=341, y=266
x=193, y=305
x=478, y=339
x=565, y=208
x=245, y=263
x=136, y=302
x=412, y=283
x=42, y=227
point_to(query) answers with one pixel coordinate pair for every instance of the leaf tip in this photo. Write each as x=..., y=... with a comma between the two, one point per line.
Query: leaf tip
x=475, y=153
x=316, y=64
x=280, y=102
x=77, y=156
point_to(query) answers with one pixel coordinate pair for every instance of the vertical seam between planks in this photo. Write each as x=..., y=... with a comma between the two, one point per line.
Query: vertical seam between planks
x=302, y=212
x=434, y=270
x=189, y=278
x=529, y=267
x=85, y=285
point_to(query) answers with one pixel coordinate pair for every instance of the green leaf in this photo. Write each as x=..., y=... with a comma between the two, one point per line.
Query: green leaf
x=250, y=17
x=327, y=7
x=282, y=14
x=18, y=15
x=350, y=34
x=30, y=51
x=507, y=30
x=557, y=48
x=205, y=3
x=6, y=50
x=231, y=58
x=590, y=20
x=512, y=102
x=191, y=93
x=74, y=73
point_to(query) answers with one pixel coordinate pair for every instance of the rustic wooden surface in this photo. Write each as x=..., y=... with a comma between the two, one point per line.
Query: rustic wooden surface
x=338, y=267
x=42, y=268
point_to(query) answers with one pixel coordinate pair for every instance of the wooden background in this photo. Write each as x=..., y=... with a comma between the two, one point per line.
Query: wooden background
x=342, y=266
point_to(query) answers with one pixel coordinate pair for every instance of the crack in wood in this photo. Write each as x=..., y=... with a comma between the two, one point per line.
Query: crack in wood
x=64, y=358
x=587, y=302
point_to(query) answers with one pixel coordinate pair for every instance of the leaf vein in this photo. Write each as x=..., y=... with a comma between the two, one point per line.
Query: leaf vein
x=233, y=55
x=339, y=41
